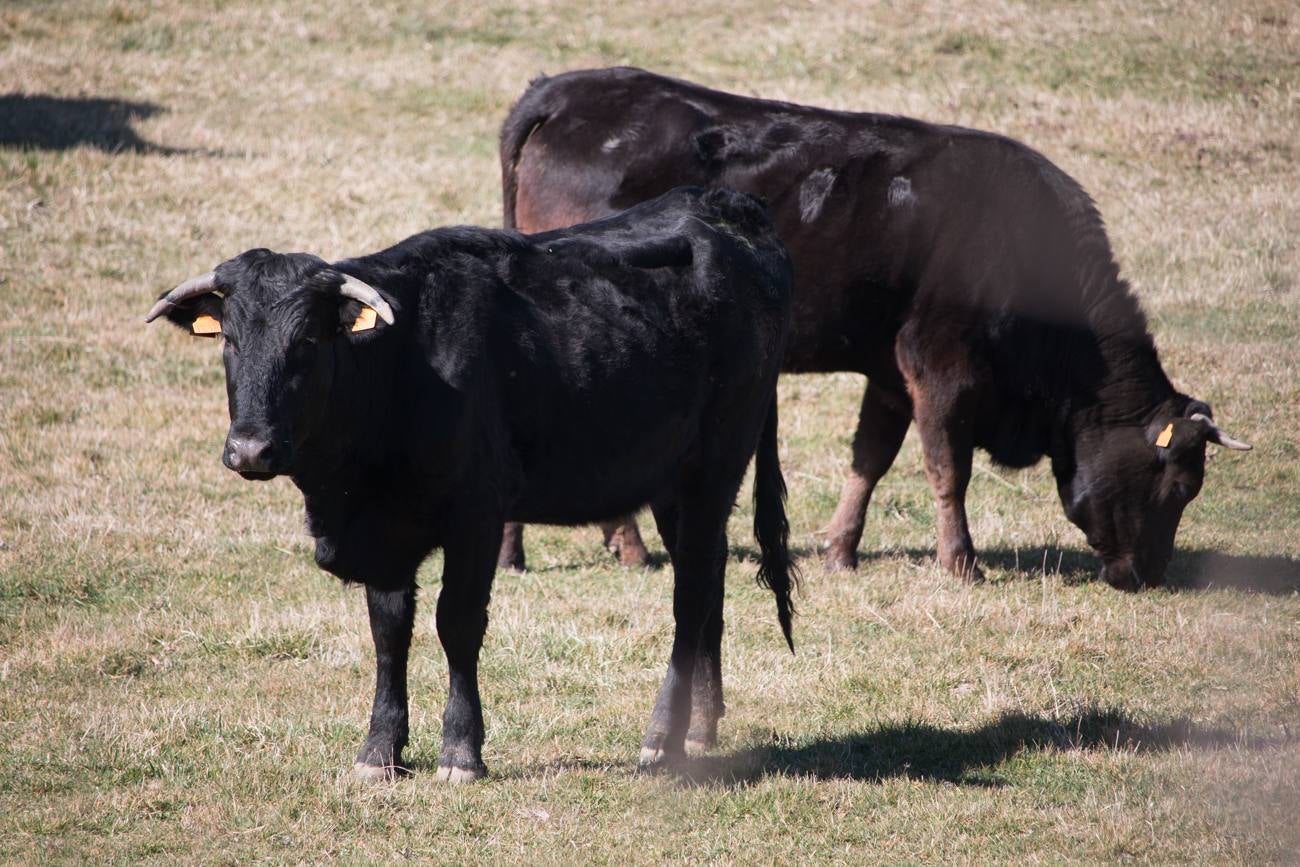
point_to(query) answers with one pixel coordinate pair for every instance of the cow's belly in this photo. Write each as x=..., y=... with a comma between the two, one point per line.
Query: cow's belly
x=602, y=477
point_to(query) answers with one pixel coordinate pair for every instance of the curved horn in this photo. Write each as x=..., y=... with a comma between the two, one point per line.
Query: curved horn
x=367, y=295
x=200, y=285
x=1218, y=436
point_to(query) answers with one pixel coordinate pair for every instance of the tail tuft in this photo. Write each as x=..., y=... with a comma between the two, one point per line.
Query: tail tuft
x=771, y=528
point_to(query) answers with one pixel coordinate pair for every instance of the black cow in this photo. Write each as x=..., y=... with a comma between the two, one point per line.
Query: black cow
x=968, y=277
x=420, y=396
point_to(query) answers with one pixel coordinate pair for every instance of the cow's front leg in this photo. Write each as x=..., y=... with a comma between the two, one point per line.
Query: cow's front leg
x=462, y=621
x=882, y=424
x=392, y=615
x=948, y=452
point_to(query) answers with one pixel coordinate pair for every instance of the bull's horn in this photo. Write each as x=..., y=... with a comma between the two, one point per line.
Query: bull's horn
x=200, y=285
x=1219, y=436
x=367, y=295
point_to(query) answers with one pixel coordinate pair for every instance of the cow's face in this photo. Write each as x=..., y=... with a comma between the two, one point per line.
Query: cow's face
x=1129, y=487
x=284, y=320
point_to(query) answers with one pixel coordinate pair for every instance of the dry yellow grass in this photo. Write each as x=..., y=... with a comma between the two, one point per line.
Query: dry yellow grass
x=177, y=680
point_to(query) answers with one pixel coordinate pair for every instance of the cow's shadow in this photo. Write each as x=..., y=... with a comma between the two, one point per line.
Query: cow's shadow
x=1189, y=570
x=39, y=122
x=919, y=751
x=966, y=757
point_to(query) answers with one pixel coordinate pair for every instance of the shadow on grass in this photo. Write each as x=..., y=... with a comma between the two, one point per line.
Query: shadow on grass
x=927, y=752
x=1190, y=569
x=36, y=122
x=1211, y=570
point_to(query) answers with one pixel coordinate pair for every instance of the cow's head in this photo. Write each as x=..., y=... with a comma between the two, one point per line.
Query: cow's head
x=285, y=320
x=1128, y=485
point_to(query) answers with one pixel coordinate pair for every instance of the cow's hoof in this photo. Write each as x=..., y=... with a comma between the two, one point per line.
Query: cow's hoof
x=658, y=757
x=633, y=558
x=839, y=560
x=696, y=747
x=446, y=774
x=377, y=773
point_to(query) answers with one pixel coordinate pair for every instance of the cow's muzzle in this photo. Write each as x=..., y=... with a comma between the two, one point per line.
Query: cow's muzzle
x=1126, y=574
x=251, y=457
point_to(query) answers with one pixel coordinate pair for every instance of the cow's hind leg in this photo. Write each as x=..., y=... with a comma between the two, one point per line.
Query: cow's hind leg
x=882, y=423
x=707, y=706
x=462, y=621
x=511, y=554
x=623, y=540
x=698, y=551
x=392, y=615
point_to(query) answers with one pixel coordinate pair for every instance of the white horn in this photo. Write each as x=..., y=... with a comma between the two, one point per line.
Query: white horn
x=1219, y=436
x=367, y=295
x=200, y=285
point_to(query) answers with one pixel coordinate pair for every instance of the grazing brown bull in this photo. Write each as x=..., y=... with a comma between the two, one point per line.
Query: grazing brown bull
x=968, y=277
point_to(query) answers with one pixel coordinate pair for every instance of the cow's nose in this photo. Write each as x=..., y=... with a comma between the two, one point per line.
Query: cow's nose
x=248, y=455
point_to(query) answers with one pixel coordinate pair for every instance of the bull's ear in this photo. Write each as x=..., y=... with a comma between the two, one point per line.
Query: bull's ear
x=195, y=305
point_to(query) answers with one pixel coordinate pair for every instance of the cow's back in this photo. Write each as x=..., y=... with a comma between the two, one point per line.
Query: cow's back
x=873, y=208
x=645, y=321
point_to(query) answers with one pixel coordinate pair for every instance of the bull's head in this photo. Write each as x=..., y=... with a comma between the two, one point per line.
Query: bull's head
x=284, y=320
x=1127, y=486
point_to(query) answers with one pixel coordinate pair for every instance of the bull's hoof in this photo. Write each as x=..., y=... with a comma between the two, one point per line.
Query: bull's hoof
x=700, y=747
x=447, y=774
x=377, y=773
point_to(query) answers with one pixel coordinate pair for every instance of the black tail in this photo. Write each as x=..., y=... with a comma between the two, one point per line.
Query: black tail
x=530, y=112
x=771, y=528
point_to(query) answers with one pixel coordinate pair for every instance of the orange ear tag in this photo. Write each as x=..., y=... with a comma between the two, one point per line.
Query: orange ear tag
x=1165, y=436
x=365, y=320
x=205, y=324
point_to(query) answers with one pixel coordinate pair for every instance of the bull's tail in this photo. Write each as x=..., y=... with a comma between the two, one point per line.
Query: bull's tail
x=530, y=112
x=771, y=529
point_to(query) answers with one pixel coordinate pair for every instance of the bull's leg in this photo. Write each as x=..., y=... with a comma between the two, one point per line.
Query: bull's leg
x=392, y=615
x=511, y=555
x=462, y=621
x=623, y=540
x=882, y=423
x=698, y=551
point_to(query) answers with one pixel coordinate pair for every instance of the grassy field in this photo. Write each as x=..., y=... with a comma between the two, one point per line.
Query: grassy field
x=177, y=680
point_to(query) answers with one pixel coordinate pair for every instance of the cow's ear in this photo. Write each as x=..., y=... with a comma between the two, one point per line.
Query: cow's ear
x=202, y=317
x=195, y=305
x=1172, y=437
x=363, y=307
